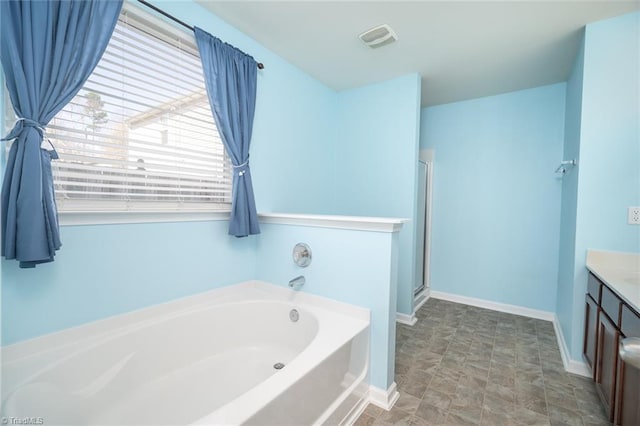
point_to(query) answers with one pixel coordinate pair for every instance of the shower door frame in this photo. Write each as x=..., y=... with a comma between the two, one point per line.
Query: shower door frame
x=426, y=157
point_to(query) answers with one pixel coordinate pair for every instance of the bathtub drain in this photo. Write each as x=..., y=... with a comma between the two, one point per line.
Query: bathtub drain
x=294, y=315
x=278, y=366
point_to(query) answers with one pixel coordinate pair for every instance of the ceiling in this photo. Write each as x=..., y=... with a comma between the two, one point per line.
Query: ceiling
x=461, y=49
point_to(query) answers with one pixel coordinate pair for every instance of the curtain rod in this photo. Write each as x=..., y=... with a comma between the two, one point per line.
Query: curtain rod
x=173, y=18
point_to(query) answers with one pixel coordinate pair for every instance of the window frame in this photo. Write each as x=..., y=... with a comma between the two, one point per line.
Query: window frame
x=78, y=215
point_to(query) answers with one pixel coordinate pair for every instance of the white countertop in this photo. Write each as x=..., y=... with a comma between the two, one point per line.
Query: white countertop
x=620, y=271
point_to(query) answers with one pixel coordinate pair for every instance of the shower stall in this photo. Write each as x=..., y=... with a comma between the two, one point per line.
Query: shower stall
x=423, y=226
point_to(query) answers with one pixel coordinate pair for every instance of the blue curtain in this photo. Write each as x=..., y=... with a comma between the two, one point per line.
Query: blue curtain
x=231, y=78
x=48, y=50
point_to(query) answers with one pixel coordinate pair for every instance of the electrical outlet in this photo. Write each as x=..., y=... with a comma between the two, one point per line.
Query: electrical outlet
x=633, y=217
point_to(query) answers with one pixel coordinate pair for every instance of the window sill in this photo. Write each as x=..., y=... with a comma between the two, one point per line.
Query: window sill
x=80, y=218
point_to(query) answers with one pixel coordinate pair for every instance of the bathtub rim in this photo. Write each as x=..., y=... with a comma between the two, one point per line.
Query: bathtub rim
x=333, y=334
x=98, y=330
x=321, y=348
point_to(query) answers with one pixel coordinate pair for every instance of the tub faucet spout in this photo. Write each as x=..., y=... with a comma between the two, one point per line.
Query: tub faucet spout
x=297, y=282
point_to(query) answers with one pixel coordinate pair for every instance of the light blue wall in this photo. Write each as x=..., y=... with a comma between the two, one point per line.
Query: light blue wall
x=609, y=171
x=292, y=148
x=294, y=142
x=313, y=151
x=566, y=264
x=496, y=200
x=105, y=270
x=377, y=159
x=610, y=136
x=350, y=266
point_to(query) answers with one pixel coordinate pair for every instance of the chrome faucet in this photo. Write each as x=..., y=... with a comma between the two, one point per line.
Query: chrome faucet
x=297, y=282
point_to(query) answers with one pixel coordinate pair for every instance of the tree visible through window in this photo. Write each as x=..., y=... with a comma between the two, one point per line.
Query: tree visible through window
x=140, y=134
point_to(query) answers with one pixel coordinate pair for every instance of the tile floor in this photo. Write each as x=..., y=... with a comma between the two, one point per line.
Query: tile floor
x=462, y=365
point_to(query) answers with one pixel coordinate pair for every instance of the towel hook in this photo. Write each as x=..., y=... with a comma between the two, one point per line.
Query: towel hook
x=562, y=168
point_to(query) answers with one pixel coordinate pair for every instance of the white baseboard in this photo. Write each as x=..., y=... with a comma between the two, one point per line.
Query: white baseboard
x=422, y=298
x=570, y=365
x=494, y=306
x=406, y=319
x=384, y=399
x=411, y=319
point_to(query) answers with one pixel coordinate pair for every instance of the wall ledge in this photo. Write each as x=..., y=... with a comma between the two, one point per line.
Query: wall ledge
x=358, y=223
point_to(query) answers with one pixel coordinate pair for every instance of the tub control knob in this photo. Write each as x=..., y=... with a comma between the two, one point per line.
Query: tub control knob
x=302, y=255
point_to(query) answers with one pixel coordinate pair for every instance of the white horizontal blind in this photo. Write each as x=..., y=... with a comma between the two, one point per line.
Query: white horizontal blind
x=140, y=134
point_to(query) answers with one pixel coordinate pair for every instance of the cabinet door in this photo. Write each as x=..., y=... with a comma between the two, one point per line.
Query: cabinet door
x=592, y=312
x=608, y=336
x=628, y=396
x=628, y=387
x=630, y=322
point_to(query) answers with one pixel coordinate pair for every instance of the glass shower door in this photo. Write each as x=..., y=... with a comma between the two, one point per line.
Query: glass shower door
x=421, y=228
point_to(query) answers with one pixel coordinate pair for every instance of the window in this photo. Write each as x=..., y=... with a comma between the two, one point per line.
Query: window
x=140, y=134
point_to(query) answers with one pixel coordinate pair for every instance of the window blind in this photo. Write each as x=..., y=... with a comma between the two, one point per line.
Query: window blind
x=140, y=134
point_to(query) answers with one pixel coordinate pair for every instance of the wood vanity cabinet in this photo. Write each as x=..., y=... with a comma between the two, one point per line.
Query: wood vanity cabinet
x=627, y=410
x=608, y=338
x=592, y=316
x=608, y=320
x=628, y=402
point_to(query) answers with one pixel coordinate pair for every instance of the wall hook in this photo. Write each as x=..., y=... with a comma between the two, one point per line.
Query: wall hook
x=565, y=166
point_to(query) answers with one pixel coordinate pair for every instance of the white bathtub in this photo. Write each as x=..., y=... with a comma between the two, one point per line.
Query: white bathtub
x=205, y=359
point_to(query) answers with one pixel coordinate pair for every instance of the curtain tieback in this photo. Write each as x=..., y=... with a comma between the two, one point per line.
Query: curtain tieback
x=21, y=123
x=241, y=168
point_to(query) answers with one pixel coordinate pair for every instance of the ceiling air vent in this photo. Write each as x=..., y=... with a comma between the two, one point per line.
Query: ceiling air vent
x=378, y=36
